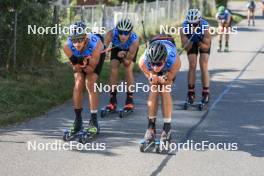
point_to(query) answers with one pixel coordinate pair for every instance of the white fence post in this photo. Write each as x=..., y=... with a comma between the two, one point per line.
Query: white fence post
x=156, y=12
x=169, y=9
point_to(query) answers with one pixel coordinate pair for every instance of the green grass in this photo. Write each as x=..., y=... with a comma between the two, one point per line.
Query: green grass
x=238, y=17
x=31, y=93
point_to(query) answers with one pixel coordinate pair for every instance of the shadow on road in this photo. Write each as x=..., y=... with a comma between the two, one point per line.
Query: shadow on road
x=236, y=119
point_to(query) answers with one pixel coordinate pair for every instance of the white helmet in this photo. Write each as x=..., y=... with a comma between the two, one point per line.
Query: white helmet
x=193, y=16
x=125, y=25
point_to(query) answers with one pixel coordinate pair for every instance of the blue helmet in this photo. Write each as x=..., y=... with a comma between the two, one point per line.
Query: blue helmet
x=193, y=16
x=77, y=30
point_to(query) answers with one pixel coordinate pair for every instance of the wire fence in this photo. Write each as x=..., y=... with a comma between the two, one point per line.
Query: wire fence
x=152, y=13
x=166, y=12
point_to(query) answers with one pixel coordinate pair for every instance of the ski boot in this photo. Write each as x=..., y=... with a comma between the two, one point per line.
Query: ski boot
x=149, y=141
x=189, y=99
x=164, y=143
x=219, y=48
x=128, y=108
x=92, y=130
x=74, y=131
x=226, y=46
x=226, y=49
x=110, y=108
x=205, y=101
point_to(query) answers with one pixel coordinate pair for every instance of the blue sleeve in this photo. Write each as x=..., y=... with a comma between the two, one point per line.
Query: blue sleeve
x=69, y=43
x=205, y=24
x=146, y=62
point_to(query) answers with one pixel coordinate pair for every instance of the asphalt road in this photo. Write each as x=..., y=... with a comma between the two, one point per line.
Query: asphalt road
x=235, y=115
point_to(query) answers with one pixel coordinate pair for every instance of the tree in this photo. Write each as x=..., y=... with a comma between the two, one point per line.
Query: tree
x=221, y=2
x=32, y=50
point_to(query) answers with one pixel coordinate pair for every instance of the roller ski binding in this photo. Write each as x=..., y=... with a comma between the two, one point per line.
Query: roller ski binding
x=204, y=102
x=189, y=100
x=73, y=132
x=129, y=108
x=89, y=133
x=110, y=108
x=149, y=142
x=164, y=142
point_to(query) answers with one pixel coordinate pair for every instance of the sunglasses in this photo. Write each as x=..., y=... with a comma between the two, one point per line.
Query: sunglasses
x=77, y=40
x=157, y=64
x=123, y=33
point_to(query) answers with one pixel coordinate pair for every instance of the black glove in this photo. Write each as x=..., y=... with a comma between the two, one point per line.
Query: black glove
x=76, y=60
x=196, y=38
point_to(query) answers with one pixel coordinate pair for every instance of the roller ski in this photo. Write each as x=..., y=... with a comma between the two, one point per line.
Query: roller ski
x=189, y=100
x=73, y=132
x=109, y=109
x=204, y=102
x=149, y=143
x=89, y=133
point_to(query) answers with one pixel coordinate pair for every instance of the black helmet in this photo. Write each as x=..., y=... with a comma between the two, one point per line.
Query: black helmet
x=156, y=52
x=124, y=25
x=77, y=30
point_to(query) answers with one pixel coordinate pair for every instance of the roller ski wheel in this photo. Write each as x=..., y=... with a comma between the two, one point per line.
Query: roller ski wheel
x=203, y=106
x=111, y=108
x=103, y=112
x=157, y=146
x=185, y=106
x=67, y=135
x=142, y=145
